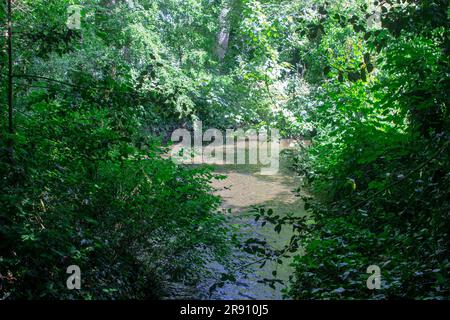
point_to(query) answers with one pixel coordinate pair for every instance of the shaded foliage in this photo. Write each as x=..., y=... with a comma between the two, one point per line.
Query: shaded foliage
x=88, y=185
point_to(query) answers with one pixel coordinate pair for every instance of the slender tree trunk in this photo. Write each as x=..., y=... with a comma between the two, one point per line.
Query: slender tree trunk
x=224, y=32
x=10, y=70
x=10, y=83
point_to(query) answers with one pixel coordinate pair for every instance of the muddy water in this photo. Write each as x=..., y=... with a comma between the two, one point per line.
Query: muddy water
x=243, y=188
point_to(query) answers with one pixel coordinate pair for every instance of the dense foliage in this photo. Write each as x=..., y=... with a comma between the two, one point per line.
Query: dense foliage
x=86, y=184
x=378, y=165
x=85, y=181
x=368, y=81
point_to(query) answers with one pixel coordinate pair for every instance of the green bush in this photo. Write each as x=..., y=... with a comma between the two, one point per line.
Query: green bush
x=81, y=193
x=378, y=165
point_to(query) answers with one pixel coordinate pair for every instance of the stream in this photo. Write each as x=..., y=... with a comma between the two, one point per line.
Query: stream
x=243, y=188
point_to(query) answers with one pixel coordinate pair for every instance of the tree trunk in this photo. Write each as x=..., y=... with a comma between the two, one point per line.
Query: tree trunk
x=224, y=33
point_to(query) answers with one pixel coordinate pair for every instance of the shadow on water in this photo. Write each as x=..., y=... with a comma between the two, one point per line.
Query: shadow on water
x=243, y=188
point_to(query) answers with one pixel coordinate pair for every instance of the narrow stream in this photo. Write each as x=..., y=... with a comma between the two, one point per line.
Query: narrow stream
x=243, y=188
